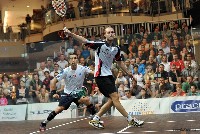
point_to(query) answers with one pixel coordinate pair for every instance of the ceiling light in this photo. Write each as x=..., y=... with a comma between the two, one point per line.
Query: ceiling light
x=27, y=6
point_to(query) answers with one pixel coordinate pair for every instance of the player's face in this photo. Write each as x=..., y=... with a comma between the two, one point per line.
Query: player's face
x=73, y=59
x=109, y=33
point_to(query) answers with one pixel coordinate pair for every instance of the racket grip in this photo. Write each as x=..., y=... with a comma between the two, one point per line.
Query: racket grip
x=64, y=29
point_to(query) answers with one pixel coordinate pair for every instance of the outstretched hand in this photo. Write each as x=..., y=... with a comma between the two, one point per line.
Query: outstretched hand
x=66, y=30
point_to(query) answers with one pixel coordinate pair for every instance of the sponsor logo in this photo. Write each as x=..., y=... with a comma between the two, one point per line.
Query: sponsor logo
x=186, y=106
x=142, y=108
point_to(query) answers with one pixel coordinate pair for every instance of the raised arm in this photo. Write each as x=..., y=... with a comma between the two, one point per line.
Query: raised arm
x=92, y=44
x=76, y=37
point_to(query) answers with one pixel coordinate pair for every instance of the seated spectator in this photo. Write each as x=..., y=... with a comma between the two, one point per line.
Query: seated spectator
x=56, y=69
x=134, y=88
x=189, y=71
x=55, y=94
x=141, y=66
x=144, y=44
x=98, y=99
x=159, y=56
x=3, y=99
x=150, y=89
x=163, y=92
x=26, y=78
x=6, y=85
x=161, y=73
x=142, y=56
x=183, y=54
x=121, y=79
x=165, y=63
x=128, y=95
x=137, y=76
x=49, y=65
x=133, y=49
x=186, y=85
x=15, y=80
x=152, y=63
x=179, y=91
x=22, y=94
x=85, y=52
x=176, y=45
x=41, y=70
x=179, y=63
x=162, y=85
x=121, y=90
x=174, y=77
x=47, y=80
x=164, y=47
x=192, y=62
x=43, y=95
x=62, y=62
x=128, y=65
x=82, y=61
x=143, y=94
x=35, y=86
x=149, y=75
x=193, y=91
x=172, y=52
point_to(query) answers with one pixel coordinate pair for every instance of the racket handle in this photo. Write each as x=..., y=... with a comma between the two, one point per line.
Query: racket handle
x=66, y=34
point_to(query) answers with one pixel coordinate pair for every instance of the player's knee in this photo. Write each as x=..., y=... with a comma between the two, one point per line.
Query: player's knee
x=114, y=96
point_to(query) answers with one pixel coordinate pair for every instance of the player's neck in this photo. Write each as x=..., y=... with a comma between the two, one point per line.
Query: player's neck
x=73, y=67
x=109, y=42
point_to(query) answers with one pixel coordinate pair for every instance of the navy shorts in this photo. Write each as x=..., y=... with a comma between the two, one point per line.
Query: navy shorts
x=66, y=100
x=106, y=85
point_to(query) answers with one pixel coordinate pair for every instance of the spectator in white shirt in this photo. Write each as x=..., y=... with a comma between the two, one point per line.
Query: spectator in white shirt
x=41, y=70
x=56, y=69
x=164, y=47
x=62, y=62
x=165, y=63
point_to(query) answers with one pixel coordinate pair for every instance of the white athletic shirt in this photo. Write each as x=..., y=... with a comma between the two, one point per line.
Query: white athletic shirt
x=104, y=56
x=73, y=78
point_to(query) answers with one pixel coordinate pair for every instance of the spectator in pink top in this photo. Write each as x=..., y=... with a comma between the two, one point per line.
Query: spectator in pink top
x=3, y=100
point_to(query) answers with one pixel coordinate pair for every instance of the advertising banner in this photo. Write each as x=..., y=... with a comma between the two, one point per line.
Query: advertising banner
x=13, y=112
x=40, y=111
x=140, y=107
x=185, y=104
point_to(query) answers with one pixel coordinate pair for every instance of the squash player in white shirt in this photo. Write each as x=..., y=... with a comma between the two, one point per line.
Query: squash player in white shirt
x=73, y=92
x=105, y=53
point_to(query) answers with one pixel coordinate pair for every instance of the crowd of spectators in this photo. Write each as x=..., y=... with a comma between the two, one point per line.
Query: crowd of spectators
x=162, y=63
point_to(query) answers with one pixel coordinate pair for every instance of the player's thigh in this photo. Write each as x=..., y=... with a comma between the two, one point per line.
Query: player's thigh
x=106, y=85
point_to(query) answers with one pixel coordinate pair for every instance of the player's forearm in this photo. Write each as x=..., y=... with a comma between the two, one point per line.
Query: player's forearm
x=122, y=66
x=79, y=38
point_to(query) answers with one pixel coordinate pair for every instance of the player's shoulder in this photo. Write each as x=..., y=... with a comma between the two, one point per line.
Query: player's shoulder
x=96, y=42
